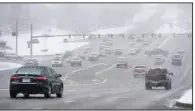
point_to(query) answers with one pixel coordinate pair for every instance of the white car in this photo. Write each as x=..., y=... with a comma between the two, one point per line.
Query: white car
x=159, y=60
x=57, y=62
x=133, y=52
x=31, y=62
x=102, y=53
x=132, y=44
x=58, y=55
x=76, y=61
x=108, y=51
x=122, y=62
x=139, y=70
x=93, y=57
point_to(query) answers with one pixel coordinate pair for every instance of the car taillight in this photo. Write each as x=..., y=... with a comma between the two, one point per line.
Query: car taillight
x=14, y=78
x=40, y=78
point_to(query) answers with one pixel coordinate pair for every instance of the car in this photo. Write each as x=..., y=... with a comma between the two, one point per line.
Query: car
x=177, y=59
x=103, y=47
x=68, y=54
x=122, y=62
x=13, y=56
x=57, y=61
x=140, y=40
x=133, y=52
x=131, y=37
x=107, y=43
x=158, y=77
x=35, y=80
x=132, y=44
x=108, y=51
x=82, y=55
x=159, y=60
x=145, y=44
x=93, y=57
x=88, y=48
x=76, y=61
x=118, y=52
x=31, y=62
x=102, y=53
x=157, y=51
x=58, y=55
x=139, y=70
x=181, y=52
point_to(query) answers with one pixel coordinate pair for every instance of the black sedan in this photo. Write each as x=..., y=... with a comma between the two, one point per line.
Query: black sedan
x=35, y=80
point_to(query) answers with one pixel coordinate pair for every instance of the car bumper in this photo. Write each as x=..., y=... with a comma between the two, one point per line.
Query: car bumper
x=32, y=88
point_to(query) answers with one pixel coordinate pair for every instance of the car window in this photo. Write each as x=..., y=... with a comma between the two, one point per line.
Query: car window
x=53, y=72
x=50, y=72
x=30, y=70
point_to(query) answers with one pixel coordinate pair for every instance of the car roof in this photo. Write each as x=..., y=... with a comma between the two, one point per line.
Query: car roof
x=34, y=67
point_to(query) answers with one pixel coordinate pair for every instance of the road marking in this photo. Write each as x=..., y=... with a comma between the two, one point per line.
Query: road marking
x=69, y=101
x=166, y=40
x=71, y=73
x=95, y=96
x=104, y=70
x=36, y=108
x=71, y=90
x=4, y=89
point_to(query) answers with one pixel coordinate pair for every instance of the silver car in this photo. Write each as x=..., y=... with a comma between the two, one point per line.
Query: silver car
x=57, y=62
x=31, y=62
x=76, y=61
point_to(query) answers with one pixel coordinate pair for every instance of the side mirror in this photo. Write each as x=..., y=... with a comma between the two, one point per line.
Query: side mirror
x=171, y=74
x=58, y=75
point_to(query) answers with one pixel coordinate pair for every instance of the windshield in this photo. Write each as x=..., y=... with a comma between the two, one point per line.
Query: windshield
x=95, y=48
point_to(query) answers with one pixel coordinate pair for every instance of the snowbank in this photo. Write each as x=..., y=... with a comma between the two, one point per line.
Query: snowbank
x=8, y=65
x=186, y=98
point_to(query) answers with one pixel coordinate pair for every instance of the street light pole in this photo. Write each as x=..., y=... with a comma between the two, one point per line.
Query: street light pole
x=16, y=37
x=31, y=37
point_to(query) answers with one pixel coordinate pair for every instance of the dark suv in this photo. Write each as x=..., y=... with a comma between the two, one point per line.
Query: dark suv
x=158, y=78
x=35, y=80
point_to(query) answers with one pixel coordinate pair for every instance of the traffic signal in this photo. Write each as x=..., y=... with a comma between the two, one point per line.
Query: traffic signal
x=111, y=36
x=14, y=33
x=99, y=36
x=83, y=36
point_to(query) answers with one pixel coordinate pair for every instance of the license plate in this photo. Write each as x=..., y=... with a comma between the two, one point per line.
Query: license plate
x=25, y=80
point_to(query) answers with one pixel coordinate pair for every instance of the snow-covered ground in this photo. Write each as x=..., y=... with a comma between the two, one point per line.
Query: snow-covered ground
x=8, y=65
x=186, y=98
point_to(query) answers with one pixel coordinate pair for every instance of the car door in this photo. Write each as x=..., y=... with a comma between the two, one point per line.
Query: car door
x=51, y=78
x=57, y=80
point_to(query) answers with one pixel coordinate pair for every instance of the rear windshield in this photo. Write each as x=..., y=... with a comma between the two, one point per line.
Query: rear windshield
x=176, y=56
x=28, y=70
x=140, y=67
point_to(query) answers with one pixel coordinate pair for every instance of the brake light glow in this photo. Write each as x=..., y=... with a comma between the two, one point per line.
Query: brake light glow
x=40, y=78
x=14, y=77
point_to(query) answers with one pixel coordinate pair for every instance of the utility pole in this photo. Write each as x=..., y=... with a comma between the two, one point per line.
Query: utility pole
x=16, y=37
x=31, y=37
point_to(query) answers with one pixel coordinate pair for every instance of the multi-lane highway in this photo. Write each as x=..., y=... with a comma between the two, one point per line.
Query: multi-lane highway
x=100, y=85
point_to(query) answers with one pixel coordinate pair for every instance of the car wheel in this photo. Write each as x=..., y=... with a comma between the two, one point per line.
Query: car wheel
x=168, y=86
x=60, y=93
x=13, y=94
x=148, y=86
x=26, y=95
x=117, y=66
x=48, y=93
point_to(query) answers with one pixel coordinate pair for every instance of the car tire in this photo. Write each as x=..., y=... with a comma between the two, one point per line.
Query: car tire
x=148, y=86
x=26, y=95
x=59, y=94
x=168, y=86
x=117, y=66
x=48, y=93
x=13, y=94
